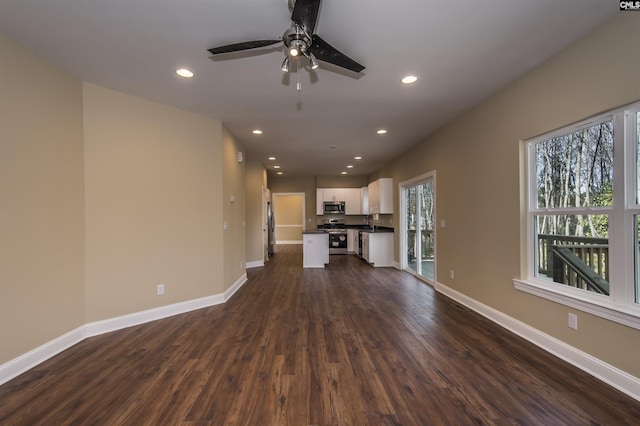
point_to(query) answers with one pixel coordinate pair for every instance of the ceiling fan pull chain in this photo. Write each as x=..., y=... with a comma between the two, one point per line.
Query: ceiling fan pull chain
x=298, y=84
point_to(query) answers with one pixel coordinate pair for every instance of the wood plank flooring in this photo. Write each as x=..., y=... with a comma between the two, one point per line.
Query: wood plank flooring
x=347, y=345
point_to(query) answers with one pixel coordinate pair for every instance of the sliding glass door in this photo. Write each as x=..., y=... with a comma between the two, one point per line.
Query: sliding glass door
x=418, y=236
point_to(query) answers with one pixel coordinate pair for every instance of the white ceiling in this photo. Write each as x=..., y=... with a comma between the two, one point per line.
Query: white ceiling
x=462, y=51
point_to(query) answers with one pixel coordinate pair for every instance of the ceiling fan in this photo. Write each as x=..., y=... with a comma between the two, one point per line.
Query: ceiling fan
x=299, y=40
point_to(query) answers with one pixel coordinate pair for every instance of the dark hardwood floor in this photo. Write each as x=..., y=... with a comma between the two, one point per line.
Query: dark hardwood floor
x=347, y=345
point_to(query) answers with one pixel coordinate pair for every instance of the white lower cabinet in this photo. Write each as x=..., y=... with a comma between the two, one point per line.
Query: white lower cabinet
x=377, y=248
x=352, y=240
x=315, y=249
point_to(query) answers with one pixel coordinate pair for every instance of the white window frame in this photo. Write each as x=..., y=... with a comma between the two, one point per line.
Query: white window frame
x=620, y=305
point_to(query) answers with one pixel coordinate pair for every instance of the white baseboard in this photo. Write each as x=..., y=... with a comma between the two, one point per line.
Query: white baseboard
x=289, y=242
x=235, y=287
x=609, y=374
x=31, y=359
x=27, y=361
x=255, y=264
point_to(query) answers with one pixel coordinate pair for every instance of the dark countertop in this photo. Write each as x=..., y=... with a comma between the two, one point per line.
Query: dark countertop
x=319, y=231
x=378, y=230
x=365, y=228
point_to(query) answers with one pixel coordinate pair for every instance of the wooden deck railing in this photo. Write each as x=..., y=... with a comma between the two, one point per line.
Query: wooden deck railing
x=581, y=262
x=426, y=244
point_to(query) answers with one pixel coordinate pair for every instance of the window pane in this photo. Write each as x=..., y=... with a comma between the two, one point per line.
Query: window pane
x=576, y=169
x=425, y=192
x=574, y=250
x=411, y=219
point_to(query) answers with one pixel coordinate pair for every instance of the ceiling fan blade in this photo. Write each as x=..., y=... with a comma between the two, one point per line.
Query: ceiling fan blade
x=305, y=14
x=327, y=53
x=242, y=46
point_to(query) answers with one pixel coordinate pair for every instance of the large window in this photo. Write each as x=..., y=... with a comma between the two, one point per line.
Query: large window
x=583, y=216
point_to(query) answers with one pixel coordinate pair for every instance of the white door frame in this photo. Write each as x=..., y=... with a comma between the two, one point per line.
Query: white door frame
x=429, y=176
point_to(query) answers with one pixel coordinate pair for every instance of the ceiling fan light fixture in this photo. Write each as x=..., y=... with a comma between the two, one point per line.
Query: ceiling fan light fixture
x=297, y=47
x=314, y=61
x=285, y=64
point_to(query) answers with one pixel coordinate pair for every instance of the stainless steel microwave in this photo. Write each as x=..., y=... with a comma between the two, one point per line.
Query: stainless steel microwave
x=334, y=207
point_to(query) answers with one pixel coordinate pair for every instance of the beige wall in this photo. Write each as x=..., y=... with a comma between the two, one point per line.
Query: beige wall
x=234, y=186
x=256, y=181
x=41, y=202
x=341, y=181
x=153, y=183
x=476, y=159
x=103, y=196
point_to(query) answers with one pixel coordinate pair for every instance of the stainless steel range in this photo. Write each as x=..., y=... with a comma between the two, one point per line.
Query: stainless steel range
x=337, y=235
x=337, y=241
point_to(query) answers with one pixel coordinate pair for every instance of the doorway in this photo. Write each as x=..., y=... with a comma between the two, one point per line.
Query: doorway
x=289, y=214
x=418, y=230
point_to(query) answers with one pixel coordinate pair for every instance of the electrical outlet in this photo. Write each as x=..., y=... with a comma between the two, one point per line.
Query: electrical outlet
x=573, y=321
x=453, y=276
x=160, y=289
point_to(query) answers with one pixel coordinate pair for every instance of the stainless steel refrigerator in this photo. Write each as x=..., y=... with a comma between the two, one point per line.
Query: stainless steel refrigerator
x=271, y=228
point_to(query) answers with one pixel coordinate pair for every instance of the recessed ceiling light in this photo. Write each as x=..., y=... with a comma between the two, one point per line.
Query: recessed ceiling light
x=357, y=158
x=276, y=167
x=183, y=72
x=280, y=173
x=343, y=173
x=350, y=166
x=409, y=79
x=257, y=132
x=272, y=158
x=381, y=131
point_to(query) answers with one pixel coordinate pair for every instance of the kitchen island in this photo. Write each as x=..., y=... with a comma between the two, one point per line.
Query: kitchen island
x=315, y=249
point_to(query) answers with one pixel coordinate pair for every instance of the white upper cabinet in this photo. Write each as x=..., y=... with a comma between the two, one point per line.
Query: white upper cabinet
x=328, y=194
x=364, y=200
x=350, y=196
x=381, y=196
x=319, y=201
x=352, y=204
